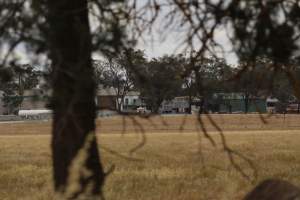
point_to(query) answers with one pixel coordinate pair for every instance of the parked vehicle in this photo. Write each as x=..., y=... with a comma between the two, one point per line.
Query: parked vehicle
x=142, y=110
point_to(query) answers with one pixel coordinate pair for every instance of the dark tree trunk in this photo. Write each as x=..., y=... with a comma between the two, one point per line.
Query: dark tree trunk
x=202, y=106
x=156, y=104
x=246, y=103
x=190, y=104
x=73, y=134
x=230, y=107
x=120, y=103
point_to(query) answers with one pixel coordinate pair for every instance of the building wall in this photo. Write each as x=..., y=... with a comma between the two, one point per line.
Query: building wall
x=131, y=102
x=32, y=103
x=178, y=104
x=107, y=102
x=238, y=105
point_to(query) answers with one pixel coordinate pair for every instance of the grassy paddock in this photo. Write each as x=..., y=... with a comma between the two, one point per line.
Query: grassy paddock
x=172, y=164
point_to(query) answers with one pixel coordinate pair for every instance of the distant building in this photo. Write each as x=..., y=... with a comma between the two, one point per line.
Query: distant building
x=34, y=99
x=272, y=104
x=107, y=99
x=179, y=105
x=293, y=108
x=131, y=101
x=236, y=103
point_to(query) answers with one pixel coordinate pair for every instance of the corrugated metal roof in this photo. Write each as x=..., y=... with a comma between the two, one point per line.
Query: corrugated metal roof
x=106, y=92
x=133, y=93
x=113, y=92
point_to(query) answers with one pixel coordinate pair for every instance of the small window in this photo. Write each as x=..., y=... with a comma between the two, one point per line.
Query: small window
x=126, y=101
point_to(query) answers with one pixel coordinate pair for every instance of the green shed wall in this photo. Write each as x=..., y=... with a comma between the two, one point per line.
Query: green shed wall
x=238, y=105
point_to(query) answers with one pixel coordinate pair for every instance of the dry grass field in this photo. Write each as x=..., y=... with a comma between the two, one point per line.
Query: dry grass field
x=175, y=163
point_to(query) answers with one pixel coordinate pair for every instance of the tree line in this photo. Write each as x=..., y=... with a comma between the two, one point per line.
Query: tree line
x=169, y=76
x=164, y=78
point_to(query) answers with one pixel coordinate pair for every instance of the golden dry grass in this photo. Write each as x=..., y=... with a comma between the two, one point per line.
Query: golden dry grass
x=190, y=123
x=169, y=166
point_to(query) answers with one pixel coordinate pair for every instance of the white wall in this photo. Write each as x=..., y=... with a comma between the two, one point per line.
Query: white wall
x=131, y=100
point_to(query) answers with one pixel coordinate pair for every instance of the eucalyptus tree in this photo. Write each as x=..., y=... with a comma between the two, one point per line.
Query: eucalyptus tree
x=110, y=74
x=61, y=31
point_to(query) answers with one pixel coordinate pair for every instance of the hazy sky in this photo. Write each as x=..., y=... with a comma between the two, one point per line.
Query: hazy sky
x=169, y=41
x=155, y=47
x=159, y=43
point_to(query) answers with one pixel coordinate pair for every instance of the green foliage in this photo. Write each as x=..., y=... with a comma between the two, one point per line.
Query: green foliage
x=23, y=77
x=262, y=78
x=264, y=29
x=159, y=79
x=12, y=103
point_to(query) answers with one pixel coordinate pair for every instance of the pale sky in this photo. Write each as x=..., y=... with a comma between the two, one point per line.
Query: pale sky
x=156, y=44
x=156, y=47
x=169, y=41
x=161, y=41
